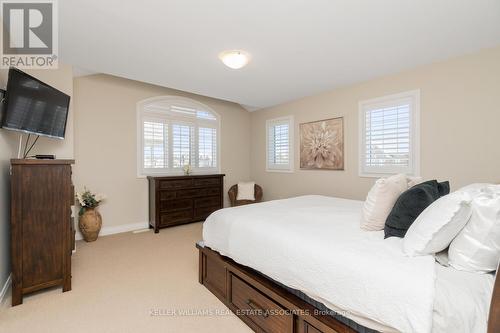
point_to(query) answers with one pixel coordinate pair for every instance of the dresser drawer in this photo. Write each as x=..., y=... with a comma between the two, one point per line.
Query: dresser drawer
x=262, y=311
x=168, y=195
x=175, y=183
x=203, y=212
x=176, y=204
x=303, y=326
x=207, y=202
x=206, y=181
x=308, y=328
x=176, y=217
x=198, y=192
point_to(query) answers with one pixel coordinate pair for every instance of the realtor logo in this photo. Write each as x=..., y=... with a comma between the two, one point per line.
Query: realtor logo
x=29, y=36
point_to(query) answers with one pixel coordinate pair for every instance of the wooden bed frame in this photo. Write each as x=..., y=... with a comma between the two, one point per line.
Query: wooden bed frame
x=269, y=308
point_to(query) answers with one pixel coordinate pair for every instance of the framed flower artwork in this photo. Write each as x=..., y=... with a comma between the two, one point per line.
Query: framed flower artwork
x=322, y=144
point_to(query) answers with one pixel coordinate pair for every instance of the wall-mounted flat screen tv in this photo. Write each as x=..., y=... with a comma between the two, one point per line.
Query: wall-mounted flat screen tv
x=34, y=107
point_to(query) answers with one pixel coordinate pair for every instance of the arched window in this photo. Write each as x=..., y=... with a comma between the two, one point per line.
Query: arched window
x=174, y=132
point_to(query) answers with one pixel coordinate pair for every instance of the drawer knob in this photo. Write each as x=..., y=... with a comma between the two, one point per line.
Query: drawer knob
x=255, y=307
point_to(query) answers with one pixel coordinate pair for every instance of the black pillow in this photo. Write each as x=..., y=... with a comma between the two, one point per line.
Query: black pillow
x=410, y=204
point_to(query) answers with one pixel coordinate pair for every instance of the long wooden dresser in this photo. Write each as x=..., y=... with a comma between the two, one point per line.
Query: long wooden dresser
x=42, y=229
x=183, y=199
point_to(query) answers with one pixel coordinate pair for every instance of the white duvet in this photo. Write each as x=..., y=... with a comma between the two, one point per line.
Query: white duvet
x=314, y=244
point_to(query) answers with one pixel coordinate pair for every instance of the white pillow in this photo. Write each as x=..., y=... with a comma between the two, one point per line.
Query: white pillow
x=438, y=224
x=412, y=181
x=477, y=246
x=380, y=201
x=474, y=189
x=246, y=191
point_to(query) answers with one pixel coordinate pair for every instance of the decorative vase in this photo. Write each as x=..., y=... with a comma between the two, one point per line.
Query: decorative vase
x=90, y=223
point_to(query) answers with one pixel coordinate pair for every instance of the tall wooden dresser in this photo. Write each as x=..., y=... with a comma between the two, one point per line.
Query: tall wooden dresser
x=42, y=230
x=183, y=199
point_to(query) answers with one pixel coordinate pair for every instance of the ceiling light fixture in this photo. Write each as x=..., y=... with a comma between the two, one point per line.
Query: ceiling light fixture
x=234, y=59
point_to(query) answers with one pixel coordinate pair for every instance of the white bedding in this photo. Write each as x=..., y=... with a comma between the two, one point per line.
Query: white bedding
x=314, y=244
x=462, y=301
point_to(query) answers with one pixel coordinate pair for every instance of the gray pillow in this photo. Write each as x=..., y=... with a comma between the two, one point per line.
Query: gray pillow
x=410, y=204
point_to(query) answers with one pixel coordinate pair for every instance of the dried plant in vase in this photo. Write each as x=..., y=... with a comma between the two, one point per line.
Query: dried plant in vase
x=90, y=220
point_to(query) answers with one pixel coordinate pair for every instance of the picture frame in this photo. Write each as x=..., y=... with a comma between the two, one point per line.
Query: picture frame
x=322, y=144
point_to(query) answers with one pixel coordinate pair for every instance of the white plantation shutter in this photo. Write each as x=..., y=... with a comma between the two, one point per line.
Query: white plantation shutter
x=175, y=132
x=387, y=136
x=279, y=144
x=389, y=127
x=154, y=151
x=182, y=145
x=207, y=147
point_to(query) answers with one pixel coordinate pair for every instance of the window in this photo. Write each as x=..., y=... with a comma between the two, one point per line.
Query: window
x=279, y=144
x=174, y=132
x=389, y=138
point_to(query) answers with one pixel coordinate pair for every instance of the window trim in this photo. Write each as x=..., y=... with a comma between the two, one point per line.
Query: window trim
x=182, y=101
x=291, y=144
x=414, y=95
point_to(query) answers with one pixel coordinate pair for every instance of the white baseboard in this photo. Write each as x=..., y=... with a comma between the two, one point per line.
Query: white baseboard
x=116, y=229
x=5, y=288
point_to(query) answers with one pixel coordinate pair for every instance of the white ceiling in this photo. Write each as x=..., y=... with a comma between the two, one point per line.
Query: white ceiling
x=298, y=48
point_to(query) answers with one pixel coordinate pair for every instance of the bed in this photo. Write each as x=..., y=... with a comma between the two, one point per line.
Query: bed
x=309, y=253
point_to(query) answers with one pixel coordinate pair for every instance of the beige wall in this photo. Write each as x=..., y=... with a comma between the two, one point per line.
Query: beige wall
x=105, y=137
x=62, y=79
x=460, y=118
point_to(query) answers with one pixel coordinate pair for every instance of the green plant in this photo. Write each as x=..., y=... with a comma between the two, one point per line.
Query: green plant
x=87, y=199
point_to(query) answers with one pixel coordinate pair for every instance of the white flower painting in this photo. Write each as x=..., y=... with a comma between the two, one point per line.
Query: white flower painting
x=322, y=144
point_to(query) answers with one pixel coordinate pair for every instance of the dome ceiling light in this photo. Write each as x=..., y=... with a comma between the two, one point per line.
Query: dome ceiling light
x=234, y=59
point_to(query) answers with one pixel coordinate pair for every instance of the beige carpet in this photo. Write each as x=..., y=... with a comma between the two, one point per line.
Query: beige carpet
x=120, y=282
